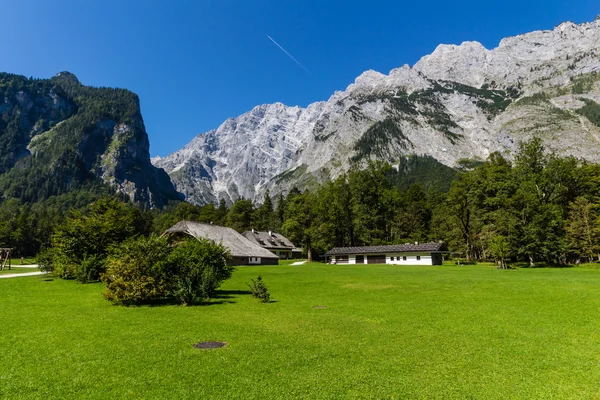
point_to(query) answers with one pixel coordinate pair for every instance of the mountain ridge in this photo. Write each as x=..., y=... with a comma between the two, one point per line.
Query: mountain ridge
x=460, y=101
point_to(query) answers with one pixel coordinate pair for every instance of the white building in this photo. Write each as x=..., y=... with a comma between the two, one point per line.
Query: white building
x=399, y=254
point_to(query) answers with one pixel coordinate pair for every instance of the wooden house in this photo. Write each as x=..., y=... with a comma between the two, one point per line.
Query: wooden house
x=275, y=243
x=243, y=251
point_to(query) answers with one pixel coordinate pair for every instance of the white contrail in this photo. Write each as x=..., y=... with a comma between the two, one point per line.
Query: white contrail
x=288, y=54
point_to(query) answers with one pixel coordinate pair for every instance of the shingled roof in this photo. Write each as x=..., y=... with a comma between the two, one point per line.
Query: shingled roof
x=237, y=244
x=269, y=240
x=392, y=248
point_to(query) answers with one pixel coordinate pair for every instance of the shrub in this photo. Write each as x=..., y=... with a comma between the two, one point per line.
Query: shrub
x=147, y=270
x=80, y=245
x=90, y=268
x=44, y=260
x=200, y=267
x=137, y=271
x=259, y=290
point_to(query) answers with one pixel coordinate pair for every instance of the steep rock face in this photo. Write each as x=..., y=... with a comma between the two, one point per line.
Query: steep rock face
x=239, y=158
x=57, y=135
x=458, y=102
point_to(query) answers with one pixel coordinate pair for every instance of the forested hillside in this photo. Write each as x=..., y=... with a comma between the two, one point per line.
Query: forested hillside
x=539, y=208
x=58, y=137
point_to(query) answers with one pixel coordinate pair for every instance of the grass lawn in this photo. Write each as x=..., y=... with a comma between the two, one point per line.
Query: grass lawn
x=387, y=332
x=26, y=261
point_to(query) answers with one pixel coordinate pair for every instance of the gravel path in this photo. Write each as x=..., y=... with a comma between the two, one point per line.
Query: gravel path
x=22, y=274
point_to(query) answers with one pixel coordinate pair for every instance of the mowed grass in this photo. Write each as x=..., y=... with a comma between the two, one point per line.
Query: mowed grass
x=387, y=332
x=26, y=261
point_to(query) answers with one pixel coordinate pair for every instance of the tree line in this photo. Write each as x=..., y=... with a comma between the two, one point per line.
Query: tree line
x=538, y=208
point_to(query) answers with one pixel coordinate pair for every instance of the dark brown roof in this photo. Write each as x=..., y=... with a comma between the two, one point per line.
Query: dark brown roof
x=269, y=240
x=392, y=248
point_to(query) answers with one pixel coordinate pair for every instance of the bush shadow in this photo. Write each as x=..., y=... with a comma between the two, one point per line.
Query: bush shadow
x=231, y=294
x=175, y=302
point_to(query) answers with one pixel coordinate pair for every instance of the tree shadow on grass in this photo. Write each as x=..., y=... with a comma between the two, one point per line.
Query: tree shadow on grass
x=542, y=266
x=175, y=302
x=220, y=297
x=231, y=294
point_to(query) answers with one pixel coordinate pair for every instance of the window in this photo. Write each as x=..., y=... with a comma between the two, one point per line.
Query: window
x=418, y=258
x=403, y=258
x=392, y=258
x=341, y=259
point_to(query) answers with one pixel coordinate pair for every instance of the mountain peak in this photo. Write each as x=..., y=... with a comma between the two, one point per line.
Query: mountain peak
x=460, y=102
x=67, y=76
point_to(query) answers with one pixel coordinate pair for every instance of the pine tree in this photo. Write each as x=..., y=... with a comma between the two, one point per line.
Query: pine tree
x=583, y=228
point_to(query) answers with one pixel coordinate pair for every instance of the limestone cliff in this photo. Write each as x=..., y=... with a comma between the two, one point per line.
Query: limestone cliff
x=460, y=102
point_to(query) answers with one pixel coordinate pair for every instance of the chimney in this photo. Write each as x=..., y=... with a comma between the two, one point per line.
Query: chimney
x=252, y=230
x=270, y=233
x=416, y=242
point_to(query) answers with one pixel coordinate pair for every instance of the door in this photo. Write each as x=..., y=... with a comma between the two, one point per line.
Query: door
x=376, y=259
x=360, y=259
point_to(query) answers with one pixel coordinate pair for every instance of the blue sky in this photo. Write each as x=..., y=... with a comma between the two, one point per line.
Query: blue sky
x=196, y=63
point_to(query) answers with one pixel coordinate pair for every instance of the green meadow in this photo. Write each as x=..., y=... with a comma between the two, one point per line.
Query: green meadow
x=384, y=332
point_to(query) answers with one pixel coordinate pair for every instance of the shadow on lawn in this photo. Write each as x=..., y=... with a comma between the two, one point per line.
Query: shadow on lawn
x=231, y=294
x=220, y=297
x=541, y=265
x=214, y=301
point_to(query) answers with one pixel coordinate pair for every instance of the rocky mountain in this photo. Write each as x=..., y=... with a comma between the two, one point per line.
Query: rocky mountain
x=458, y=104
x=59, y=136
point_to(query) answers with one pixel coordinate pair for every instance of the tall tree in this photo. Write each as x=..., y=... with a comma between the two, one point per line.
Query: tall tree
x=462, y=208
x=241, y=215
x=543, y=186
x=583, y=228
x=368, y=188
x=280, y=209
x=299, y=221
x=221, y=213
x=265, y=218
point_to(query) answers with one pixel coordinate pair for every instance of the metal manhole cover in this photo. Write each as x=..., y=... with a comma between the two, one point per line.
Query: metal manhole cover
x=209, y=345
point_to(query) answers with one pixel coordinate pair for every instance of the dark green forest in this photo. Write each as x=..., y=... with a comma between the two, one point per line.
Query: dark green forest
x=540, y=208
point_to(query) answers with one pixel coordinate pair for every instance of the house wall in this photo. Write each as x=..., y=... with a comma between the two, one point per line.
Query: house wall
x=254, y=261
x=270, y=261
x=437, y=258
x=411, y=259
x=283, y=254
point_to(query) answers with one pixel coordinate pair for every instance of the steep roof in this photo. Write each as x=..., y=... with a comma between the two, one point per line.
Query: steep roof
x=392, y=248
x=270, y=240
x=237, y=244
